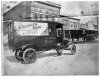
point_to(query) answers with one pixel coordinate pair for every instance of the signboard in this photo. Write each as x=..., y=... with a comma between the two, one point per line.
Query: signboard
x=31, y=28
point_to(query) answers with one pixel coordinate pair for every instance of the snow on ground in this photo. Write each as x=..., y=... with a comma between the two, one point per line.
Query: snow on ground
x=84, y=62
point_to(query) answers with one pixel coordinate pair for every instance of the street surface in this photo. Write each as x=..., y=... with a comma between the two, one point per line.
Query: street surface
x=84, y=62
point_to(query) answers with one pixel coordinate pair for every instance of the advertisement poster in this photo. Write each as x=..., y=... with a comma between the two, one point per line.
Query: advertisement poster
x=31, y=28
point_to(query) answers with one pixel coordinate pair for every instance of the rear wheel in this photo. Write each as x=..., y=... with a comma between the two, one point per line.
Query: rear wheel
x=59, y=50
x=29, y=55
x=72, y=47
x=18, y=55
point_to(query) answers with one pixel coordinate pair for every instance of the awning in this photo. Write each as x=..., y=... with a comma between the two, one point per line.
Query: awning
x=88, y=29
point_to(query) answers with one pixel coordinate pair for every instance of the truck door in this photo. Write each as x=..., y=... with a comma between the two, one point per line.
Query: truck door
x=59, y=32
x=52, y=35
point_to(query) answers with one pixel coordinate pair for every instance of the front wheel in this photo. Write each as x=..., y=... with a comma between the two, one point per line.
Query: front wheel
x=72, y=48
x=59, y=52
x=29, y=55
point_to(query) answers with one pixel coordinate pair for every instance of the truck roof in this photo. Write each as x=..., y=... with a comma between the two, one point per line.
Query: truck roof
x=30, y=20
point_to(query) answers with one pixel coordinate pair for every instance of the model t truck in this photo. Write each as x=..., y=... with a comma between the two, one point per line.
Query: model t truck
x=29, y=37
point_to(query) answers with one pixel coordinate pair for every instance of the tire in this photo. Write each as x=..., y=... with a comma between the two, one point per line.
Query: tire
x=18, y=55
x=59, y=52
x=72, y=49
x=29, y=55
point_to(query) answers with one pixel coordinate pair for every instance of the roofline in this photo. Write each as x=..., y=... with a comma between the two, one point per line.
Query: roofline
x=63, y=16
x=30, y=20
x=69, y=17
x=12, y=7
x=46, y=2
x=88, y=29
x=74, y=18
x=49, y=3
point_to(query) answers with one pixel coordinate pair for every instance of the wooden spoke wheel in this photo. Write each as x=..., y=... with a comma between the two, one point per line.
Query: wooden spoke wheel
x=29, y=55
x=72, y=47
x=18, y=55
x=59, y=51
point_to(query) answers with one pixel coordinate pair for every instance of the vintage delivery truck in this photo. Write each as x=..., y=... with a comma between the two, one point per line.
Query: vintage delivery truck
x=27, y=38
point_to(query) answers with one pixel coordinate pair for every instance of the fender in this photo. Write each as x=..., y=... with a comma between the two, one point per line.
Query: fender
x=70, y=43
x=28, y=46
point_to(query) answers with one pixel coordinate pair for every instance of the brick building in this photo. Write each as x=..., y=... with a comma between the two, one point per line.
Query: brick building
x=36, y=10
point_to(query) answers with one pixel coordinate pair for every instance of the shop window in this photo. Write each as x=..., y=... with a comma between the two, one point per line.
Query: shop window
x=40, y=16
x=71, y=25
x=53, y=19
x=75, y=25
x=46, y=17
x=35, y=15
x=31, y=15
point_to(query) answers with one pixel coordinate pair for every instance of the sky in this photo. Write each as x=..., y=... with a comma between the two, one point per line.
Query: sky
x=74, y=8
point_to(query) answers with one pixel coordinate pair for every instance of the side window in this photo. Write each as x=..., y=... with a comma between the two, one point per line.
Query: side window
x=5, y=28
x=11, y=26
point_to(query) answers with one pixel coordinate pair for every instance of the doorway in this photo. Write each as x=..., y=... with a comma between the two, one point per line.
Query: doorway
x=59, y=31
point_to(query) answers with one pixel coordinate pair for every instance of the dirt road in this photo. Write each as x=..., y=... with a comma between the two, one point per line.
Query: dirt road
x=84, y=62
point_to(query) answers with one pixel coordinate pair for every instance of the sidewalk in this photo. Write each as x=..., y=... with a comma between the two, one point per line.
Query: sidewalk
x=81, y=41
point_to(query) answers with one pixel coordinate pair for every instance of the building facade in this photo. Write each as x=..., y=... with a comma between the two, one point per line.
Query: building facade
x=36, y=10
x=74, y=28
x=89, y=25
x=70, y=27
x=29, y=10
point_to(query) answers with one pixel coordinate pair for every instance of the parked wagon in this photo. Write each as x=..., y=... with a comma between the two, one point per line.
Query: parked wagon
x=29, y=37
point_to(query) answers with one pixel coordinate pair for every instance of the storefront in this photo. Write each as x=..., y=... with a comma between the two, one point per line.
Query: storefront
x=89, y=31
x=70, y=27
x=74, y=28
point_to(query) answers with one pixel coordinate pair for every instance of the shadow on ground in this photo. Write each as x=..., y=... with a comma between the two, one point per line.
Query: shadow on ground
x=41, y=55
x=51, y=54
x=87, y=42
x=11, y=58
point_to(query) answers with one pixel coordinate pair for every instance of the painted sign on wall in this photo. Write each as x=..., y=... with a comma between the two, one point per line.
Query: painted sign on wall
x=31, y=28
